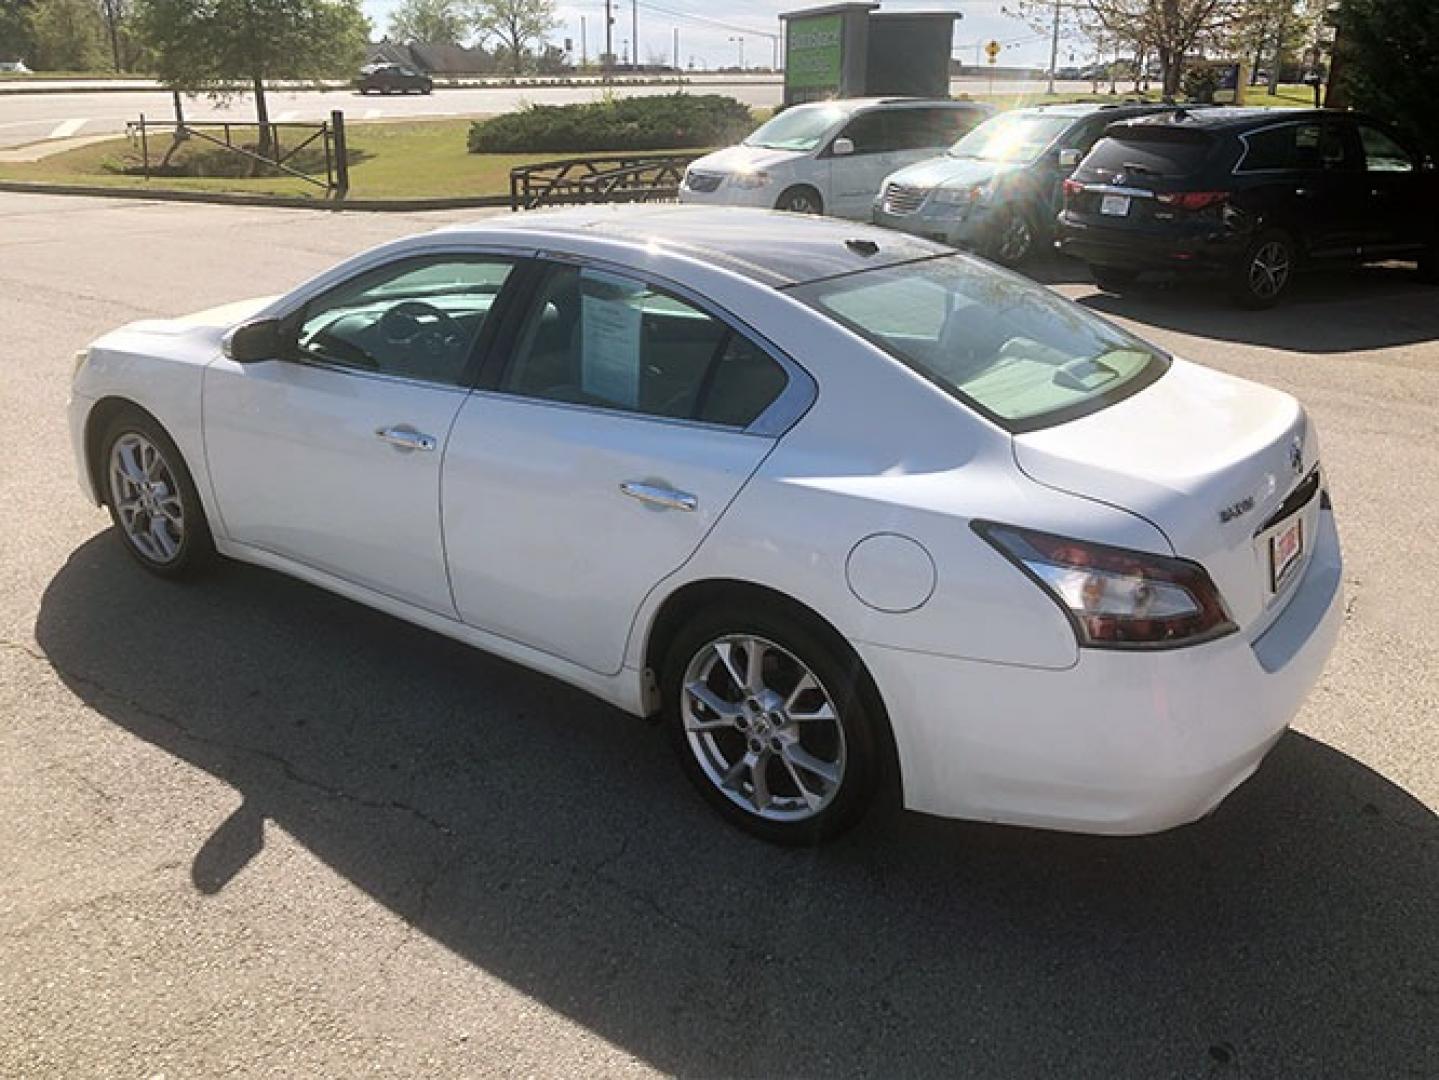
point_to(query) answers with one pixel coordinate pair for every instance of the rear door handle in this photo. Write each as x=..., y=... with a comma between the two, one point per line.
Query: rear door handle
x=406, y=438
x=663, y=497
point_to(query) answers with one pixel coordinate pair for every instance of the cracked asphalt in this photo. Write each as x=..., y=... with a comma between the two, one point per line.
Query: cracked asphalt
x=248, y=828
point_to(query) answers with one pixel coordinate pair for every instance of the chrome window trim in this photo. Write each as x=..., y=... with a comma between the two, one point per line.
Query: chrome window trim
x=1115, y=189
x=1239, y=170
x=778, y=417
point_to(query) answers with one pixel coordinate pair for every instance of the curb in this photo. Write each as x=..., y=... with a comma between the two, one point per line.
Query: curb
x=288, y=202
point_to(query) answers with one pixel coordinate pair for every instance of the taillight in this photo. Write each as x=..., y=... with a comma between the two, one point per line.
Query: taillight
x=1192, y=200
x=1116, y=598
x=1072, y=187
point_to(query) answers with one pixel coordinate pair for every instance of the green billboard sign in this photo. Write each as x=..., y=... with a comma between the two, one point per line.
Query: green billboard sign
x=814, y=54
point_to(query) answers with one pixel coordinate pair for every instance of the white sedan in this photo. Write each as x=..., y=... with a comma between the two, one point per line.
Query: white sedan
x=845, y=508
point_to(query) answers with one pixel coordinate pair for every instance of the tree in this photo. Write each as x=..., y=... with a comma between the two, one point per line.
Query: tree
x=1171, y=28
x=217, y=46
x=17, y=35
x=429, y=22
x=1385, y=59
x=66, y=35
x=515, y=23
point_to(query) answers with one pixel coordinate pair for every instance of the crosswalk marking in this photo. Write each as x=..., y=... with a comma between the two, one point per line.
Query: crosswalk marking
x=66, y=128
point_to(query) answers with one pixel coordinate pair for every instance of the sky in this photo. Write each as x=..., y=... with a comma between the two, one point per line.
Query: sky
x=709, y=44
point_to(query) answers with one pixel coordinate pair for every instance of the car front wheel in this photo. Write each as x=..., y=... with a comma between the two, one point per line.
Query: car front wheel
x=801, y=200
x=1014, y=239
x=151, y=497
x=771, y=722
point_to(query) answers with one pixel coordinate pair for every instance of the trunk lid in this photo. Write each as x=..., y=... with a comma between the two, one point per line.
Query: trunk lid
x=1223, y=467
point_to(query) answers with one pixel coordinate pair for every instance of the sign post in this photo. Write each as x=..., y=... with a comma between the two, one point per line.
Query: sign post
x=991, y=50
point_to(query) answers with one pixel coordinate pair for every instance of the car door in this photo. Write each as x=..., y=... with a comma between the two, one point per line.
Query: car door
x=329, y=454
x=855, y=178
x=1392, y=191
x=625, y=422
x=1298, y=176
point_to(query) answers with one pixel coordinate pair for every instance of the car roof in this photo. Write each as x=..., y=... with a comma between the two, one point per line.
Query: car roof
x=1080, y=109
x=854, y=105
x=1235, y=117
x=767, y=246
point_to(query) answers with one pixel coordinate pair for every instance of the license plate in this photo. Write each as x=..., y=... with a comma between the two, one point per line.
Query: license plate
x=1285, y=549
x=1114, y=205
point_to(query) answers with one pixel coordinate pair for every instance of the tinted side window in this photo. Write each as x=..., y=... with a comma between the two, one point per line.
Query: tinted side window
x=611, y=341
x=918, y=129
x=869, y=133
x=417, y=318
x=1272, y=148
x=1383, y=154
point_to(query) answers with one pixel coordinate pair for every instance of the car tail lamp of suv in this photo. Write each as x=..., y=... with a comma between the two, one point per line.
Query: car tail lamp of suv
x=1192, y=200
x=1116, y=598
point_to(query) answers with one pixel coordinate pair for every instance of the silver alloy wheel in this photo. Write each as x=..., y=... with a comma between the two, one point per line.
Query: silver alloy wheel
x=1269, y=270
x=763, y=728
x=1015, y=239
x=801, y=203
x=146, y=498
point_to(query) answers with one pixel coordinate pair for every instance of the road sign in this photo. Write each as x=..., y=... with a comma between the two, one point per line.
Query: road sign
x=991, y=49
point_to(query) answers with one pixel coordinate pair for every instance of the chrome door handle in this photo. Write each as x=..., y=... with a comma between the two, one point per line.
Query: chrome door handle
x=654, y=495
x=405, y=438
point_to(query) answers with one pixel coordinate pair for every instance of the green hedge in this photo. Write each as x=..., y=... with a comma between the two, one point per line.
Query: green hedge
x=661, y=122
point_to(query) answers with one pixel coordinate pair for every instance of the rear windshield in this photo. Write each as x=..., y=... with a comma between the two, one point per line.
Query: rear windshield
x=1012, y=349
x=1160, y=153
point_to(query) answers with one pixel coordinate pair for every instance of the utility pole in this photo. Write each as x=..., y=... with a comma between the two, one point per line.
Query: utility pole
x=676, y=52
x=584, y=54
x=609, y=57
x=635, y=33
x=1053, y=48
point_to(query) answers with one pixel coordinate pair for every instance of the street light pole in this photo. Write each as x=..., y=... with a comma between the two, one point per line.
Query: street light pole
x=1053, y=48
x=609, y=57
x=635, y=34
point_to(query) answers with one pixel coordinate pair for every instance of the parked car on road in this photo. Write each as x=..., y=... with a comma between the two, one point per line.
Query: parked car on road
x=1249, y=196
x=828, y=157
x=997, y=190
x=843, y=507
x=393, y=79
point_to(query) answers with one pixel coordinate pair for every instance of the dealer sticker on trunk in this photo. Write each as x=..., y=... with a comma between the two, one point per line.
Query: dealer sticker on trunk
x=1285, y=549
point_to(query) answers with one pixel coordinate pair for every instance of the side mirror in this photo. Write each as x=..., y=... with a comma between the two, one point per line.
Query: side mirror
x=1069, y=158
x=842, y=147
x=251, y=342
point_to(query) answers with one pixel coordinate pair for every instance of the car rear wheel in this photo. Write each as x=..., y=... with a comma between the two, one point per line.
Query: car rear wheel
x=771, y=722
x=1113, y=279
x=801, y=200
x=151, y=497
x=1264, y=273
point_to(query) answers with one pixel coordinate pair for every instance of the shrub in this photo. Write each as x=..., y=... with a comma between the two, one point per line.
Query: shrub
x=1200, y=84
x=662, y=122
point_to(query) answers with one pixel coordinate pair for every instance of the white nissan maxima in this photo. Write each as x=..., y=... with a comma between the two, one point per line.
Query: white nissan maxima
x=843, y=507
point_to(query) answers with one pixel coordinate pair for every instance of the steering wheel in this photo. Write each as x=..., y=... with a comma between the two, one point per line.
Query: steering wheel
x=403, y=324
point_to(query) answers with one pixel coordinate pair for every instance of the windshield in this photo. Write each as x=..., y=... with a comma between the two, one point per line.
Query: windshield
x=800, y=128
x=1017, y=137
x=1021, y=355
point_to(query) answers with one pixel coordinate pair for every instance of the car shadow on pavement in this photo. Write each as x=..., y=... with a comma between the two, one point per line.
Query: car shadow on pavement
x=550, y=840
x=1372, y=307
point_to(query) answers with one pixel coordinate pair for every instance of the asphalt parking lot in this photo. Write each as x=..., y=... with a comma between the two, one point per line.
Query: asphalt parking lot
x=250, y=828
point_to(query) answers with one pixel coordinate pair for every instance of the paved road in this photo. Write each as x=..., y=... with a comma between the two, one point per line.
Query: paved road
x=252, y=829
x=27, y=118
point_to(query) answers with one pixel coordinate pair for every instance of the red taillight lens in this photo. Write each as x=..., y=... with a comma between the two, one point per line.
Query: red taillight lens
x=1193, y=200
x=1072, y=187
x=1116, y=598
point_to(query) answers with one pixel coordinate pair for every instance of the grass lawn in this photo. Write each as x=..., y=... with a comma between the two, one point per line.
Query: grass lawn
x=420, y=159
x=1290, y=95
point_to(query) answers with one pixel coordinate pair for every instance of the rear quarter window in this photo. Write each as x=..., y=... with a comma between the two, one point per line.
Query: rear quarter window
x=1157, y=153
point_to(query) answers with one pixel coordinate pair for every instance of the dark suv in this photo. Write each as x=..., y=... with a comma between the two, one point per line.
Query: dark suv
x=1250, y=196
x=392, y=79
x=997, y=190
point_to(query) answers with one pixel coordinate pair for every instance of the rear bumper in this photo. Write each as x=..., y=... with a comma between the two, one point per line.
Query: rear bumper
x=1136, y=249
x=1120, y=743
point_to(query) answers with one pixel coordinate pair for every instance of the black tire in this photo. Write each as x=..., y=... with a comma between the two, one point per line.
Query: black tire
x=195, y=548
x=1113, y=279
x=1252, y=285
x=800, y=199
x=861, y=745
x=1013, y=238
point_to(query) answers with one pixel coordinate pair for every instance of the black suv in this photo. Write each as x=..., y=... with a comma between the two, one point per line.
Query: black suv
x=1250, y=196
x=996, y=191
x=392, y=79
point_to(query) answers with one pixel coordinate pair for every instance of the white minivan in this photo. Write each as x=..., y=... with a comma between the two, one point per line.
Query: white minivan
x=829, y=157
